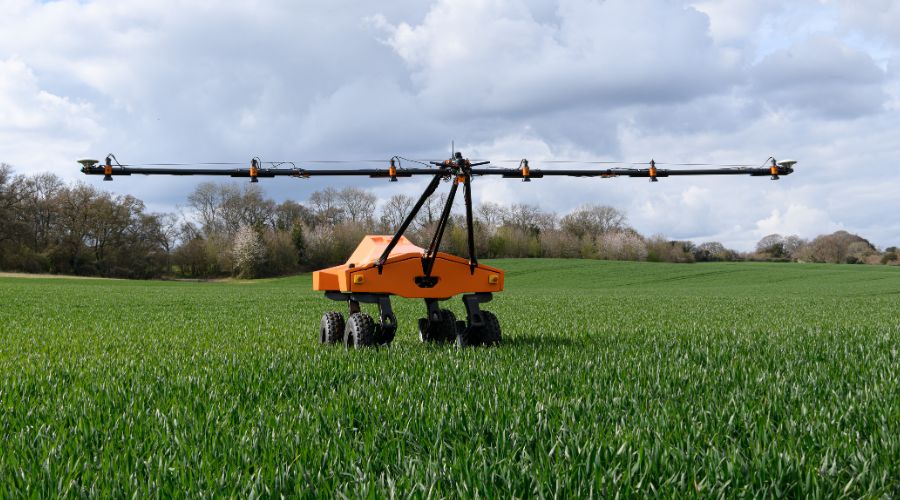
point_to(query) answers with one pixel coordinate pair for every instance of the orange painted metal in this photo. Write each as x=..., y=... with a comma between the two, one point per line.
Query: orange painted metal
x=398, y=275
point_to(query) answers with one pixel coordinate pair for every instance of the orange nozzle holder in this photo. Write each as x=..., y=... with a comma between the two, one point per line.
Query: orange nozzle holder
x=254, y=170
x=107, y=169
x=526, y=172
x=392, y=171
x=653, y=171
x=460, y=179
x=774, y=170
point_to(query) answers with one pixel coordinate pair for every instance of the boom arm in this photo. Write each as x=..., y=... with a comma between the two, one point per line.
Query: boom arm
x=108, y=171
x=457, y=169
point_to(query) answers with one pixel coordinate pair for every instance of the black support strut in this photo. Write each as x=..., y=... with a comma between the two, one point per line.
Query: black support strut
x=409, y=218
x=470, y=229
x=431, y=254
x=473, y=311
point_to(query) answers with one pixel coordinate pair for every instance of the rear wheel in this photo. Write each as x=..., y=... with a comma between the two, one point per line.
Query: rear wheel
x=438, y=331
x=331, y=328
x=488, y=334
x=360, y=331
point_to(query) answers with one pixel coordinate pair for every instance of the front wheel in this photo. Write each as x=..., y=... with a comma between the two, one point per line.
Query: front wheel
x=331, y=328
x=360, y=331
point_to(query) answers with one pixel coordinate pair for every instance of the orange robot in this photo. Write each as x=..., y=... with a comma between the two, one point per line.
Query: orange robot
x=383, y=266
x=379, y=269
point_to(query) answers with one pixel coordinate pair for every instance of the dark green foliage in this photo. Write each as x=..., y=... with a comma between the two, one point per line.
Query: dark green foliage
x=299, y=244
x=48, y=227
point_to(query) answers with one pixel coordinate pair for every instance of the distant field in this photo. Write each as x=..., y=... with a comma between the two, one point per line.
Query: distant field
x=735, y=379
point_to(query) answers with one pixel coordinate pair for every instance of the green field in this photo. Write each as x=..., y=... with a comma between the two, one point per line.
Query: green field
x=724, y=379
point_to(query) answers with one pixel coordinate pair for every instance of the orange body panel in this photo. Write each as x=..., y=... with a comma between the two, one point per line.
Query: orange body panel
x=360, y=275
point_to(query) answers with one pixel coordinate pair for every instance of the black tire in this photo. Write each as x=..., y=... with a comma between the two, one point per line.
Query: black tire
x=331, y=328
x=490, y=332
x=468, y=337
x=487, y=334
x=384, y=335
x=447, y=329
x=443, y=331
x=424, y=331
x=360, y=331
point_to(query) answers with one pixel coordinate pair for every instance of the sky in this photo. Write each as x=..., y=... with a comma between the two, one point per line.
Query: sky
x=737, y=81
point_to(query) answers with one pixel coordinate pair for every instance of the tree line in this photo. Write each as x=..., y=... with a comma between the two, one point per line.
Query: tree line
x=47, y=226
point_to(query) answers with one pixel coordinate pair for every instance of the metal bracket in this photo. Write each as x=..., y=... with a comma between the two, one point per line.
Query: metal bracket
x=434, y=310
x=473, y=311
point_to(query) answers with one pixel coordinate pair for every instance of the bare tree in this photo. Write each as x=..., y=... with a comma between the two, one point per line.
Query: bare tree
x=529, y=218
x=74, y=223
x=206, y=201
x=40, y=207
x=838, y=247
x=6, y=173
x=557, y=243
x=860, y=252
x=229, y=209
x=491, y=215
x=188, y=231
x=395, y=211
x=224, y=208
x=290, y=214
x=247, y=207
x=792, y=244
x=169, y=230
x=110, y=219
x=326, y=207
x=430, y=212
x=593, y=220
x=358, y=204
x=771, y=246
x=713, y=251
x=8, y=202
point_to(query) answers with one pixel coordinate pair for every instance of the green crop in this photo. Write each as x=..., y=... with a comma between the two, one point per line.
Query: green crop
x=734, y=379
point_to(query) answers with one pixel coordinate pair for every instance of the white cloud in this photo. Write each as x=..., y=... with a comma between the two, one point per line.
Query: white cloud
x=37, y=125
x=801, y=220
x=824, y=76
x=497, y=58
x=735, y=22
x=704, y=81
x=876, y=19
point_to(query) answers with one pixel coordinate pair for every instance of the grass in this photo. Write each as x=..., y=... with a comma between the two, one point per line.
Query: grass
x=714, y=379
